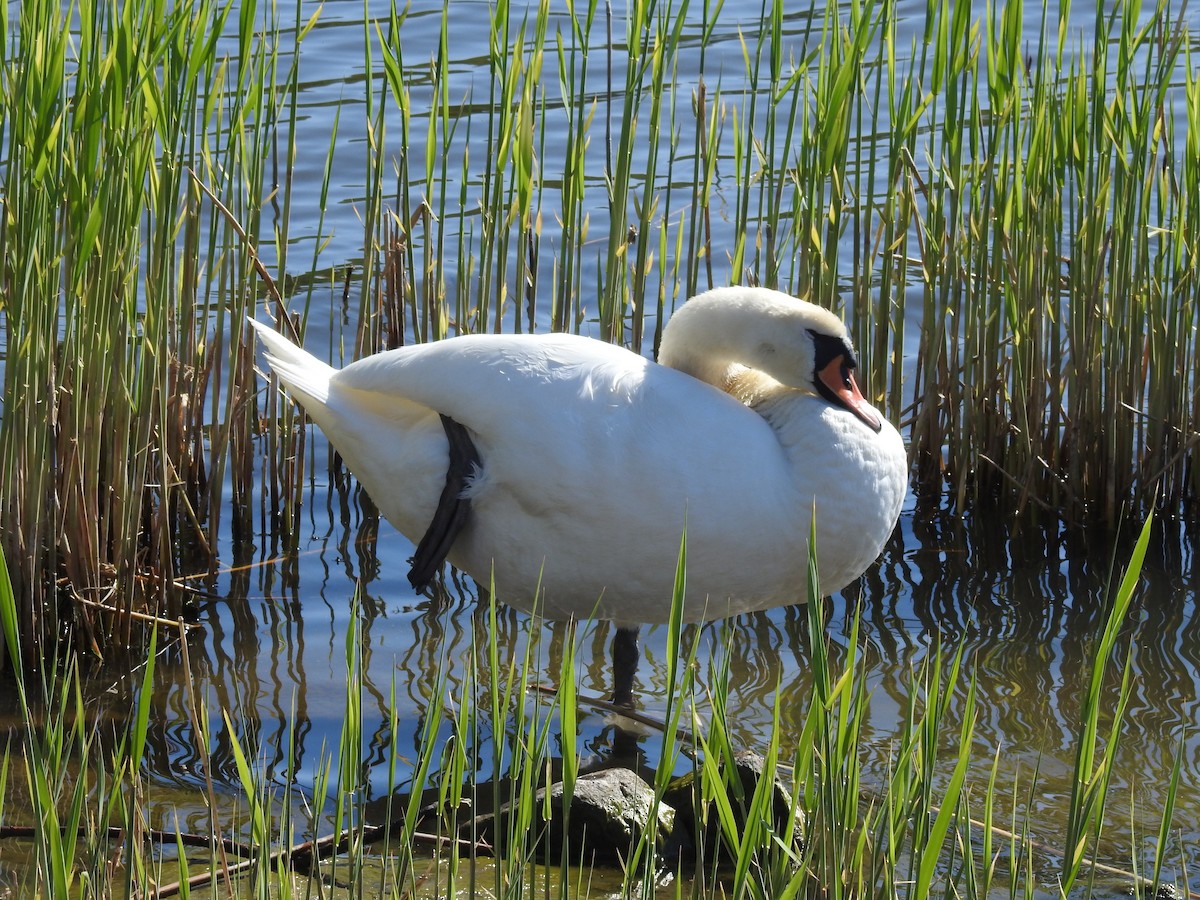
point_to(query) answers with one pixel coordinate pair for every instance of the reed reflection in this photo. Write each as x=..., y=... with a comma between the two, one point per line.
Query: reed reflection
x=1028, y=605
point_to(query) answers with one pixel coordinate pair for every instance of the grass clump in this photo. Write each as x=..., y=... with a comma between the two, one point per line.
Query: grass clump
x=134, y=176
x=1057, y=263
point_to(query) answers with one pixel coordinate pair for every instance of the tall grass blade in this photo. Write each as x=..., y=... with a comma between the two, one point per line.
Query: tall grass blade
x=1093, y=762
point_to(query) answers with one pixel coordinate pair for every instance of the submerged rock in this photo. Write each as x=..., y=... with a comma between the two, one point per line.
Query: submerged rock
x=698, y=828
x=607, y=814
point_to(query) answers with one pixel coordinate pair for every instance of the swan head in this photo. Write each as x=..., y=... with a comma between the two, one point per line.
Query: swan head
x=721, y=333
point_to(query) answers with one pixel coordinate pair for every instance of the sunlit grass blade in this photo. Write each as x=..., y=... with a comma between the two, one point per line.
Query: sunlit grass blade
x=1094, y=758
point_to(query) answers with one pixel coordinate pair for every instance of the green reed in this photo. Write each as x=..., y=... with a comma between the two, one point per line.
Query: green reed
x=1061, y=242
x=127, y=397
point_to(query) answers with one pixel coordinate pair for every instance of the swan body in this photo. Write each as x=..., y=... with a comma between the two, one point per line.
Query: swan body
x=592, y=461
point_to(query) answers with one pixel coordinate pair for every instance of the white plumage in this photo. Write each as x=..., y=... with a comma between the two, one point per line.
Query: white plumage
x=593, y=459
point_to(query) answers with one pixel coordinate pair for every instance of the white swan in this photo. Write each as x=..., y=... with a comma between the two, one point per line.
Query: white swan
x=592, y=460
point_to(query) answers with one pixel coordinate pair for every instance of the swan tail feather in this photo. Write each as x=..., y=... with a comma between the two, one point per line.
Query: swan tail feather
x=305, y=376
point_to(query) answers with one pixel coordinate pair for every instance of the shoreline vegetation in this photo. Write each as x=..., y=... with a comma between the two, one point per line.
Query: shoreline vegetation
x=1010, y=226
x=811, y=823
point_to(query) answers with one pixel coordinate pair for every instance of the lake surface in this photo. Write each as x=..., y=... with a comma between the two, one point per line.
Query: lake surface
x=1024, y=599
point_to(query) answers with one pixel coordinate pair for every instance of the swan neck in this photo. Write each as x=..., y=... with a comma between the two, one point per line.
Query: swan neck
x=700, y=340
x=712, y=370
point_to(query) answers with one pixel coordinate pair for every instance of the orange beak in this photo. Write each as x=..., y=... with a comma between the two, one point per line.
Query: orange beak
x=839, y=382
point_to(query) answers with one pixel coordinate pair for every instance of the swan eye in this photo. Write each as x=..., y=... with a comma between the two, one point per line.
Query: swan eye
x=827, y=348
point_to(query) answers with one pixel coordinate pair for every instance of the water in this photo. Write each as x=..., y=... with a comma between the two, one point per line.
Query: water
x=1026, y=602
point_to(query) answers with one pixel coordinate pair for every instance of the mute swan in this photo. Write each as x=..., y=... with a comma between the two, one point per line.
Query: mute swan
x=568, y=465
